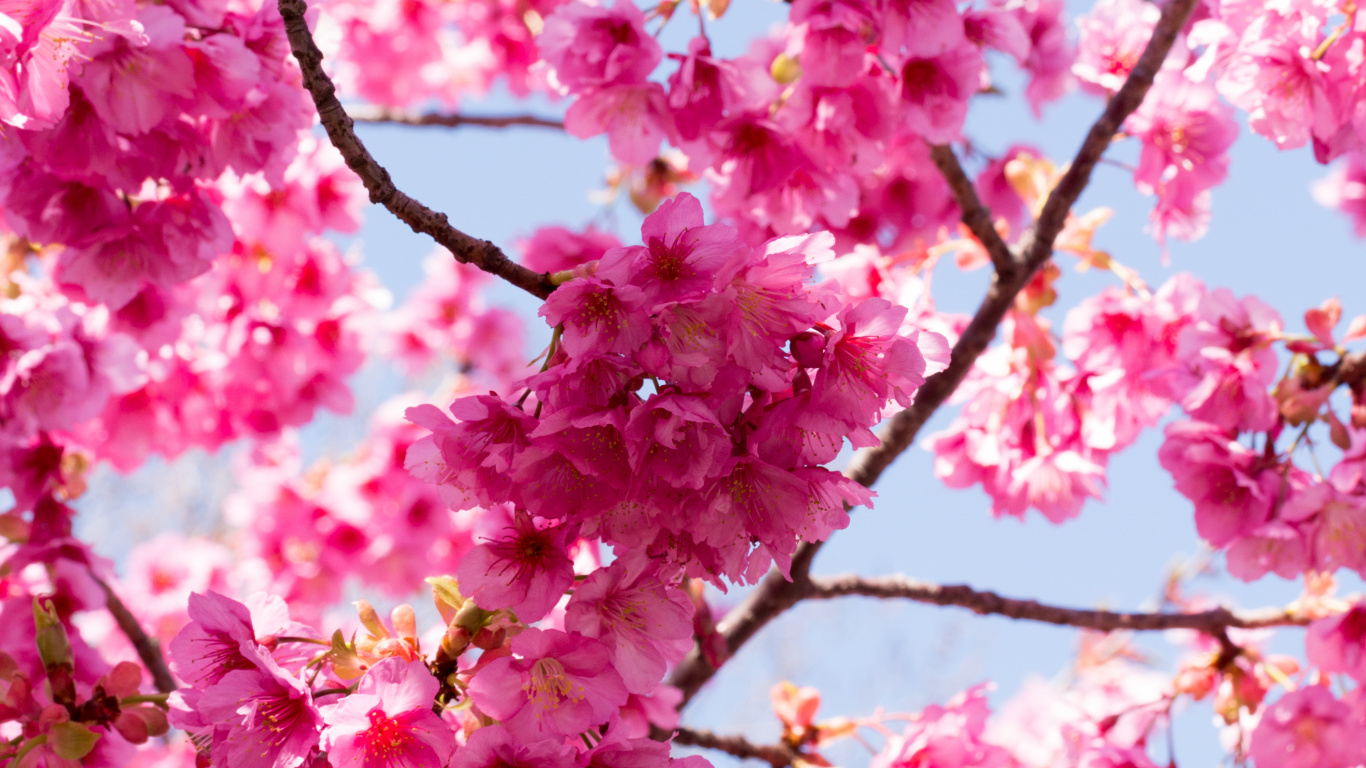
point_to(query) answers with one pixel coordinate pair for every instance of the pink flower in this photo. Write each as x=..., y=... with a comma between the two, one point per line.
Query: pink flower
x=996, y=191
x=1276, y=547
x=388, y=722
x=1186, y=132
x=553, y=249
x=677, y=438
x=261, y=718
x=1289, y=95
x=599, y=318
x=867, y=363
x=833, y=36
x=1345, y=189
x=526, y=571
x=1307, y=728
x=635, y=117
x=164, y=571
x=494, y=746
x=645, y=623
x=702, y=90
x=37, y=40
x=1113, y=36
x=1231, y=487
x=1050, y=58
x=1229, y=363
x=944, y=736
x=591, y=45
x=470, y=459
x=555, y=684
x=681, y=257
x=920, y=27
x=1338, y=643
x=935, y=90
x=155, y=79
x=219, y=639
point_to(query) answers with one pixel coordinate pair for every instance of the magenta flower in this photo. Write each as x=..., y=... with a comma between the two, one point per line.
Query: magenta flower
x=1113, y=36
x=676, y=438
x=525, y=571
x=493, y=746
x=645, y=623
x=556, y=684
x=1344, y=188
x=681, y=256
x=950, y=735
x=1307, y=728
x=598, y=318
x=388, y=722
x=552, y=249
x=261, y=718
x=1229, y=363
x=469, y=460
x=935, y=90
x=593, y=45
x=1232, y=491
x=218, y=640
x=635, y=117
x=1338, y=643
x=867, y=363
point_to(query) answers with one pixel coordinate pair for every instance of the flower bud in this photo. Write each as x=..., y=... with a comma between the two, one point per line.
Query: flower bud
x=808, y=349
x=369, y=618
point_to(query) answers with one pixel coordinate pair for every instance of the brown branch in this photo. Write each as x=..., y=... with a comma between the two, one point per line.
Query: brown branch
x=775, y=594
x=449, y=120
x=340, y=129
x=1212, y=622
x=776, y=755
x=148, y=649
x=976, y=216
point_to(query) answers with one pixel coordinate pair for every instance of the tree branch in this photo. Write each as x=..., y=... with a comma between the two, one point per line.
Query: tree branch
x=1211, y=622
x=449, y=120
x=469, y=250
x=775, y=594
x=148, y=649
x=976, y=216
x=776, y=755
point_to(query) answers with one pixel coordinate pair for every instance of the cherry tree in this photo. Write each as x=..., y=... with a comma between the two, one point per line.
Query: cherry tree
x=710, y=401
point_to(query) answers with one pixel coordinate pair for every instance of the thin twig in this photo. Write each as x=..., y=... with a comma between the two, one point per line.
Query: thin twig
x=776, y=755
x=1212, y=622
x=449, y=119
x=340, y=129
x=976, y=216
x=146, y=646
x=775, y=594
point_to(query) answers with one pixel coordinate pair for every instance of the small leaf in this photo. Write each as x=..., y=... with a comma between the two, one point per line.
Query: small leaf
x=72, y=741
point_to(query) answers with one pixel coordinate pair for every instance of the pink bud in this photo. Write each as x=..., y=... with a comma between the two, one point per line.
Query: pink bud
x=808, y=348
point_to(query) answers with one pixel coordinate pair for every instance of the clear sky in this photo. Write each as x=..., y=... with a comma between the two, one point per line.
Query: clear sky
x=1268, y=237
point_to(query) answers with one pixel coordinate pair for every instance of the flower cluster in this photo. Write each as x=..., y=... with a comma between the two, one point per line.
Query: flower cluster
x=126, y=116
x=755, y=379
x=494, y=692
x=820, y=126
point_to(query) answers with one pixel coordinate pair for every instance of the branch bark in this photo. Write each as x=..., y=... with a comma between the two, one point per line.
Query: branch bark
x=976, y=216
x=776, y=755
x=148, y=649
x=775, y=594
x=449, y=119
x=340, y=130
x=1212, y=622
